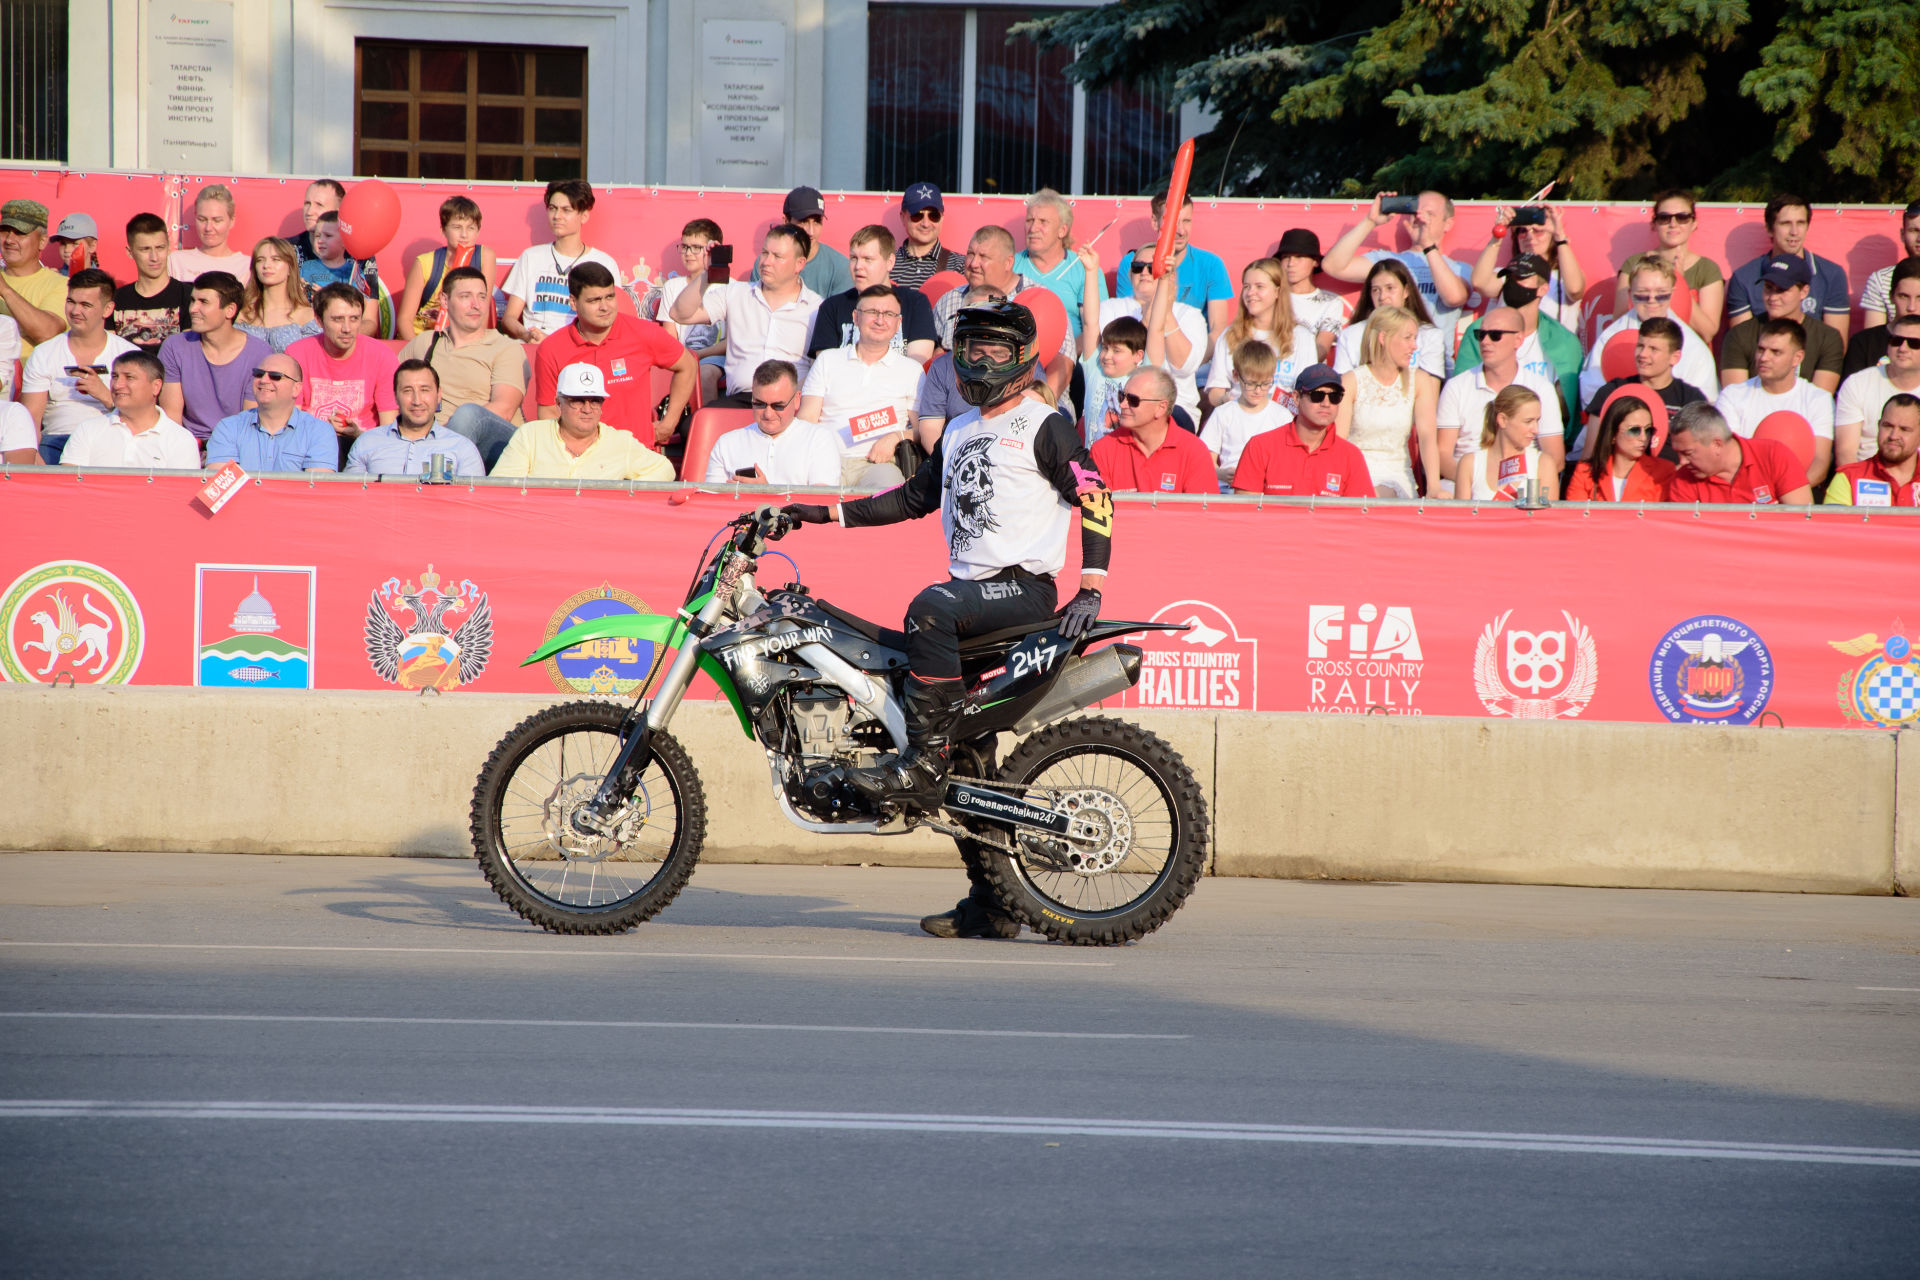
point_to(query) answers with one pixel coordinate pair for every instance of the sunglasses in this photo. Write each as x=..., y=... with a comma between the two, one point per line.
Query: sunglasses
x=1636, y=431
x=278, y=376
x=1325, y=395
x=1671, y=218
x=775, y=406
x=1133, y=401
x=1139, y=268
x=1653, y=297
x=1912, y=344
x=1494, y=335
x=924, y=215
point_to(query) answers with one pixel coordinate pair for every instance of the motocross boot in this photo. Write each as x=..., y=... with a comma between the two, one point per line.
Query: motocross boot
x=917, y=777
x=972, y=917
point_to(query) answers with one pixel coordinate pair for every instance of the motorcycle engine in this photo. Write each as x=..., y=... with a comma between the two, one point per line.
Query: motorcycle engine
x=828, y=742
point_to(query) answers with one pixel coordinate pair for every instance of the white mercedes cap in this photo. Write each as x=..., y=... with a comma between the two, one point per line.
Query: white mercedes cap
x=581, y=380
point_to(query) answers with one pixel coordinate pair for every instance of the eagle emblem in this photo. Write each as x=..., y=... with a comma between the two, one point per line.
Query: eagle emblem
x=1883, y=690
x=411, y=637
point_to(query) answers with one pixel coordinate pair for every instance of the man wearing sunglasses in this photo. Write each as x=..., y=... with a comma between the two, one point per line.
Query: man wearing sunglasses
x=1465, y=396
x=1862, y=395
x=778, y=446
x=1784, y=284
x=1307, y=457
x=1145, y=452
x=1007, y=478
x=278, y=435
x=1547, y=347
x=1886, y=478
x=921, y=256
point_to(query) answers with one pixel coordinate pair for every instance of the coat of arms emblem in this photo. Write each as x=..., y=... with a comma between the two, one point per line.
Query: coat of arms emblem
x=1545, y=675
x=412, y=637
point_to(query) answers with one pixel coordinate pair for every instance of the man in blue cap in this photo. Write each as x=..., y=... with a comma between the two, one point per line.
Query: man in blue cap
x=1785, y=281
x=921, y=256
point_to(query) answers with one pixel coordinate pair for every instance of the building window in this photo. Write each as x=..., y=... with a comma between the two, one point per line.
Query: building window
x=952, y=102
x=33, y=80
x=481, y=112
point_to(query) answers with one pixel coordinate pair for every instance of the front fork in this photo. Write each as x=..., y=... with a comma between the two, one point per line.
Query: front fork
x=623, y=777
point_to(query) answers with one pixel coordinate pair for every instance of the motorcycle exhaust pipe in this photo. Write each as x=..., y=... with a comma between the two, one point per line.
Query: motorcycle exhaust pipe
x=1084, y=680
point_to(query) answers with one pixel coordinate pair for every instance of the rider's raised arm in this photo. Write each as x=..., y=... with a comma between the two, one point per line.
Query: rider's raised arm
x=1064, y=460
x=917, y=497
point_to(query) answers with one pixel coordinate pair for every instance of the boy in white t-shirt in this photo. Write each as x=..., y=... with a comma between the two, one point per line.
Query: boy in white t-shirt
x=539, y=303
x=1255, y=410
x=1111, y=353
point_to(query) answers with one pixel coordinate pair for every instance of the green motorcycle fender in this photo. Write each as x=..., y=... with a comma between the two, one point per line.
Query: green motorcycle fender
x=668, y=633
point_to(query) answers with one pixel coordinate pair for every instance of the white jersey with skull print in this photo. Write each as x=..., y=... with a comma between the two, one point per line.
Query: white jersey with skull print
x=1006, y=488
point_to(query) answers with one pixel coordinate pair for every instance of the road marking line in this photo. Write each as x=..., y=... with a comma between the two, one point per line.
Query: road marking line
x=674, y=1117
x=612, y=1025
x=1887, y=988
x=554, y=951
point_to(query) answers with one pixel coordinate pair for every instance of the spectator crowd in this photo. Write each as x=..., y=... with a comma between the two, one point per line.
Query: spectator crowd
x=1453, y=373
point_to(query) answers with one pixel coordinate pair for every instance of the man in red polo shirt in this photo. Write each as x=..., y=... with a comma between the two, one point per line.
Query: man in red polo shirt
x=625, y=350
x=1148, y=453
x=1886, y=479
x=1717, y=467
x=1306, y=457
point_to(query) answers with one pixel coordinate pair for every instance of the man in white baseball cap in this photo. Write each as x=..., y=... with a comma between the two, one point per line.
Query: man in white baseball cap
x=577, y=445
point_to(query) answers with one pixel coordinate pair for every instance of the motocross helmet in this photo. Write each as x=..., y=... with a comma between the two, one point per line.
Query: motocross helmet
x=984, y=383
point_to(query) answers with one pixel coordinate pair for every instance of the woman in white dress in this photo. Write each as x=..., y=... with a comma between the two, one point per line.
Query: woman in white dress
x=1507, y=458
x=1266, y=310
x=1389, y=402
x=1390, y=284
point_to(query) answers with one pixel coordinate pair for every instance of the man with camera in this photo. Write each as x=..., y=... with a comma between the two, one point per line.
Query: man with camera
x=1426, y=218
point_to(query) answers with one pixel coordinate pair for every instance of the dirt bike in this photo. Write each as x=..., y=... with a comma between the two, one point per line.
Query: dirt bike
x=588, y=817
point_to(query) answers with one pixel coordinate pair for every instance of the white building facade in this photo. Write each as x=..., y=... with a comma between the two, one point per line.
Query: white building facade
x=840, y=94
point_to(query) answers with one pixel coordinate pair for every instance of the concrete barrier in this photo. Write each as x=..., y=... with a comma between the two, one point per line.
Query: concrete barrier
x=1346, y=797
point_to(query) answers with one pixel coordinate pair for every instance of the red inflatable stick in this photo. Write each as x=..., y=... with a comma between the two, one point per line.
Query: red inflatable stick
x=1176, y=200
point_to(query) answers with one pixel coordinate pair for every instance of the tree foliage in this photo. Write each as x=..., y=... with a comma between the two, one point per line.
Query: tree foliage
x=1496, y=98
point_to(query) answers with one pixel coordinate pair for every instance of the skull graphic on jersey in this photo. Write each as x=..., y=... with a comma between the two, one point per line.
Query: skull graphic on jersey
x=970, y=492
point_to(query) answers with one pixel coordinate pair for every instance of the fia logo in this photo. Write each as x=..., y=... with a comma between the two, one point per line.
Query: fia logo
x=1535, y=675
x=1354, y=666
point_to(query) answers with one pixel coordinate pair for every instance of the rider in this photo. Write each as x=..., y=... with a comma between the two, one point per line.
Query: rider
x=1006, y=477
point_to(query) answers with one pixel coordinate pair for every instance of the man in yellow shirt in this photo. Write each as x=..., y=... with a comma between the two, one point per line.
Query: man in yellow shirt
x=34, y=295
x=577, y=445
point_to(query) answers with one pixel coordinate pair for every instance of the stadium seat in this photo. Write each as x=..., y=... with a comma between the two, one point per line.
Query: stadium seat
x=1790, y=429
x=709, y=425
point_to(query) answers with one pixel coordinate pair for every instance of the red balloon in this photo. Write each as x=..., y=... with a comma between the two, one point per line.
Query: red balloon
x=1655, y=405
x=1176, y=200
x=1790, y=429
x=368, y=217
x=1616, y=358
x=940, y=284
x=1049, y=319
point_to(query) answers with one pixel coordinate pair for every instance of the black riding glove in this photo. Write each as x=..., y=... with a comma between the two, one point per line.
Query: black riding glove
x=807, y=513
x=1081, y=613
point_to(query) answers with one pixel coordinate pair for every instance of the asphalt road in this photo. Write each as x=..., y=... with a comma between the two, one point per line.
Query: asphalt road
x=215, y=1066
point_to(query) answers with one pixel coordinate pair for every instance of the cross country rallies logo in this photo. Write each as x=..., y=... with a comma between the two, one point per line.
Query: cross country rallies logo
x=411, y=640
x=1883, y=688
x=71, y=618
x=1210, y=666
x=1711, y=670
x=1536, y=675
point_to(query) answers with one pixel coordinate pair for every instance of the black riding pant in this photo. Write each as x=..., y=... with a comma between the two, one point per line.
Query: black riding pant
x=946, y=612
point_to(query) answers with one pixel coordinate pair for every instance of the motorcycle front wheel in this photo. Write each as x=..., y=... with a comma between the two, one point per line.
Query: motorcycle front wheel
x=1148, y=844
x=546, y=767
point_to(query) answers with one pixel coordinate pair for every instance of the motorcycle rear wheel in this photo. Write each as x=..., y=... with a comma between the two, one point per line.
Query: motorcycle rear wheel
x=1148, y=791
x=541, y=771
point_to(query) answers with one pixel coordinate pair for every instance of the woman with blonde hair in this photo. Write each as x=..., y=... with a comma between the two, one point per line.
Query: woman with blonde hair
x=275, y=309
x=1389, y=402
x=1266, y=315
x=1499, y=469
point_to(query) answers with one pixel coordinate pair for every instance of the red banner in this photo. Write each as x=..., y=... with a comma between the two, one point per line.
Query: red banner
x=645, y=222
x=1716, y=616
